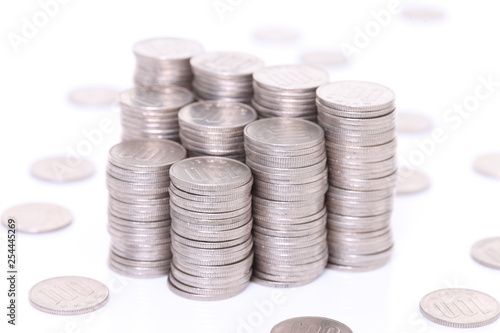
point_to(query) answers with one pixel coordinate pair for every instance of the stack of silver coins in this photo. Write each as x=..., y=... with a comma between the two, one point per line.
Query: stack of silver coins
x=147, y=114
x=215, y=128
x=164, y=62
x=288, y=161
x=138, y=208
x=224, y=76
x=211, y=210
x=359, y=122
x=287, y=91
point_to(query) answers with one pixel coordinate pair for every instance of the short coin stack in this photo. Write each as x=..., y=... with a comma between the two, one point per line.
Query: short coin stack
x=211, y=205
x=287, y=91
x=147, y=114
x=224, y=76
x=288, y=160
x=359, y=122
x=164, y=62
x=215, y=128
x=138, y=209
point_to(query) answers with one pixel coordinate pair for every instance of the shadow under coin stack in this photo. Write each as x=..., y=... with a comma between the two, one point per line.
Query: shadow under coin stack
x=138, y=208
x=224, y=76
x=164, y=62
x=359, y=122
x=287, y=91
x=211, y=209
x=147, y=114
x=288, y=161
x=215, y=128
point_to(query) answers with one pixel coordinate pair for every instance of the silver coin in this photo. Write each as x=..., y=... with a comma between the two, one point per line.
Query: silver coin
x=488, y=165
x=412, y=181
x=327, y=58
x=460, y=308
x=310, y=324
x=37, y=218
x=167, y=48
x=93, y=96
x=487, y=252
x=226, y=63
x=68, y=295
x=276, y=34
x=60, y=170
x=291, y=77
x=413, y=122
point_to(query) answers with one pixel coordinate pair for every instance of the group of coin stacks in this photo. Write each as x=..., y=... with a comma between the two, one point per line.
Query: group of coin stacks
x=288, y=160
x=138, y=208
x=162, y=62
x=215, y=128
x=149, y=114
x=211, y=208
x=287, y=91
x=224, y=76
x=359, y=122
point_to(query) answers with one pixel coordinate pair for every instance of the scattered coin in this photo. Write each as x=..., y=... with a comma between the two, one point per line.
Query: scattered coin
x=152, y=114
x=68, y=295
x=93, y=96
x=224, y=76
x=488, y=165
x=287, y=91
x=37, y=218
x=460, y=308
x=487, y=252
x=412, y=181
x=59, y=169
x=412, y=122
x=422, y=13
x=138, y=208
x=210, y=198
x=310, y=324
x=331, y=58
x=276, y=34
x=359, y=122
x=162, y=62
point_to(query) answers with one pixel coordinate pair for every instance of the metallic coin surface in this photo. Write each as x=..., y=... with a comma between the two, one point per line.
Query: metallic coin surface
x=460, y=308
x=68, y=295
x=59, y=169
x=37, y=218
x=487, y=252
x=310, y=324
x=167, y=48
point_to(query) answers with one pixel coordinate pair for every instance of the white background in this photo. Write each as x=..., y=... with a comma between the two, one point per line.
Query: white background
x=431, y=66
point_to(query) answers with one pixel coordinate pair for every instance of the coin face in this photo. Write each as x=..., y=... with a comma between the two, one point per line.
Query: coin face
x=488, y=165
x=487, y=252
x=310, y=324
x=356, y=95
x=68, y=295
x=167, y=48
x=412, y=182
x=412, y=122
x=460, y=308
x=226, y=63
x=166, y=98
x=217, y=114
x=93, y=96
x=59, y=170
x=38, y=217
x=291, y=77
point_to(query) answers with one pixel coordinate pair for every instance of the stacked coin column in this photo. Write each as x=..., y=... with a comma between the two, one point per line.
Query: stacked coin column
x=211, y=209
x=147, y=114
x=287, y=91
x=164, y=62
x=138, y=209
x=215, y=128
x=359, y=122
x=288, y=160
x=224, y=76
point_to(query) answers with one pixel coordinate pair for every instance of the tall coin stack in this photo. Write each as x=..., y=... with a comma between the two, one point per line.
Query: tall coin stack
x=138, y=208
x=147, y=114
x=287, y=91
x=224, y=76
x=288, y=161
x=215, y=128
x=211, y=209
x=359, y=122
x=164, y=62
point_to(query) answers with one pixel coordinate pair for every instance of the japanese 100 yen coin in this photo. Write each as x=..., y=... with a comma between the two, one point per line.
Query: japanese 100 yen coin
x=310, y=324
